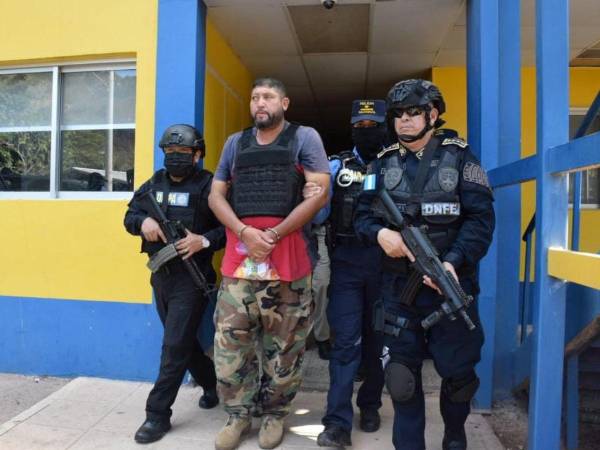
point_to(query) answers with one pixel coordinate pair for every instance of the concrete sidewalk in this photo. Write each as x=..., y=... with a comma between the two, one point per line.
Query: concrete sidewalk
x=93, y=413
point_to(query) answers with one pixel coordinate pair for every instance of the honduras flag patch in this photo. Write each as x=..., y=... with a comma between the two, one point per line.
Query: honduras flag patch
x=370, y=182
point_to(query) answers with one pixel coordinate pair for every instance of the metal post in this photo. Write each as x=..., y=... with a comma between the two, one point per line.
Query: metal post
x=180, y=66
x=482, y=96
x=508, y=199
x=552, y=58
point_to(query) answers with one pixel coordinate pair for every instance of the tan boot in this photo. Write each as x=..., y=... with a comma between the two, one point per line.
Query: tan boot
x=229, y=436
x=271, y=432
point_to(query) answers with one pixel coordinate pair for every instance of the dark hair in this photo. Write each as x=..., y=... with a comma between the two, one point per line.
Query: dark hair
x=270, y=82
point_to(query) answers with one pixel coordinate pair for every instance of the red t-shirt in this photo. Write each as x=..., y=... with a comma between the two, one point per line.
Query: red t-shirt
x=289, y=257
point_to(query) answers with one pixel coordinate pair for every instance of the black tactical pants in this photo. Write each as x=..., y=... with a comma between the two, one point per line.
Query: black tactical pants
x=454, y=349
x=180, y=306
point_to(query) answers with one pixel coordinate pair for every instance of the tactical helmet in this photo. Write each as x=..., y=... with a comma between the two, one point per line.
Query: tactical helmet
x=415, y=93
x=182, y=135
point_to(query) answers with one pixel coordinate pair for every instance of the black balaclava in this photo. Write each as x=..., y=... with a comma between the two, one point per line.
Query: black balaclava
x=369, y=141
x=179, y=164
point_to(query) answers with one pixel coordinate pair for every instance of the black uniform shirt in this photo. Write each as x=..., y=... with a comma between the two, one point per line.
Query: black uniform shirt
x=209, y=226
x=477, y=212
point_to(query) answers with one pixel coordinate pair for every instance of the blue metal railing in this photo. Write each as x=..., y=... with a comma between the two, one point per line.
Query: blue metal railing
x=572, y=363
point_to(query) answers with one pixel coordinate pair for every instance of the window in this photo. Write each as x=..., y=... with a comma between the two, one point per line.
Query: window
x=67, y=130
x=590, y=179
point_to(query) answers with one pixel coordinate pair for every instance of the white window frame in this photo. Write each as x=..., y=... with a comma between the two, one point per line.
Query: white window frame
x=55, y=130
x=582, y=111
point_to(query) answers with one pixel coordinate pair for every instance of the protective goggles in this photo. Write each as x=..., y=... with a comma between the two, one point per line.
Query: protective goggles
x=411, y=111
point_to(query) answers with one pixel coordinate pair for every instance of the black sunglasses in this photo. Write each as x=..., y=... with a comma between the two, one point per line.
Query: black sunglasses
x=412, y=111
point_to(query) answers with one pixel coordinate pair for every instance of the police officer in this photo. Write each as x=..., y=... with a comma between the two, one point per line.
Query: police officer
x=182, y=189
x=434, y=180
x=355, y=273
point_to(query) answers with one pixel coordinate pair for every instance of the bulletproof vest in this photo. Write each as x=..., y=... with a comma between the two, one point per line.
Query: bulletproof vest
x=346, y=189
x=435, y=204
x=266, y=181
x=182, y=202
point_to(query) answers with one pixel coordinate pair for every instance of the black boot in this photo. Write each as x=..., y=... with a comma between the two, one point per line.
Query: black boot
x=334, y=436
x=454, y=441
x=324, y=348
x=209, y=399
x=152, y=430
x=369, y=420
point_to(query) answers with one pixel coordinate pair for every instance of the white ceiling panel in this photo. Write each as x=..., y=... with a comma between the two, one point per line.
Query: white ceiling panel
x=288, y=68
x=255, y=31
x=389, y=68
x=418, y=26
x=335, y=69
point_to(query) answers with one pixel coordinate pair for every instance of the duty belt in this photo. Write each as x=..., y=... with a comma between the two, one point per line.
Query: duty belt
x=392, y=324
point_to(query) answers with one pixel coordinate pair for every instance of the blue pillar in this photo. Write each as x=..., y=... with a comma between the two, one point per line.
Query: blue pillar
x=552, y=59
x=508, y=199
x=180, y=67
x=482, y=98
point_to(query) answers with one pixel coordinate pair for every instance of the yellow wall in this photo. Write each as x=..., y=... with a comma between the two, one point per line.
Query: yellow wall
x=79, y=249
x=226, y=99
x=584, y=84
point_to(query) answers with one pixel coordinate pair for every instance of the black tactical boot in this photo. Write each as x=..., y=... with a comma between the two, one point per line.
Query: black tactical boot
x=324, y=348
x=369, y=420
x=152, y=430
x=454, y=441
x=209, y=399
x=334, y=436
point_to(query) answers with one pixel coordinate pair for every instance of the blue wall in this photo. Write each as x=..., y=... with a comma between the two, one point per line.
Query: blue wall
x=69, y=338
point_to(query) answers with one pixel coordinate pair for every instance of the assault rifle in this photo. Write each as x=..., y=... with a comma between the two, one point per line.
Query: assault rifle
x=427, y=263
x=173, y=231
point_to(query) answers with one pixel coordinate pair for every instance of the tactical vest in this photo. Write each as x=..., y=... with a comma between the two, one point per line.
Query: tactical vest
x=266, y=181
x=437, y=205
x=183, y=201
x=346, y=189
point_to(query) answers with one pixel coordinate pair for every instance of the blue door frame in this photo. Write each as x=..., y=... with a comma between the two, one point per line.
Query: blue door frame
x=496, y=76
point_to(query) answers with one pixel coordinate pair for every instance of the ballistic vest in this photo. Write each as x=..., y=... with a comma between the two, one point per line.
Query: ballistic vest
x=180, y=201
x=436, y=203
x=266, y=181
x=347, y=187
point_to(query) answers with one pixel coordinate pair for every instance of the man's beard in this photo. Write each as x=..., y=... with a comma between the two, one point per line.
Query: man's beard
x=271, y=121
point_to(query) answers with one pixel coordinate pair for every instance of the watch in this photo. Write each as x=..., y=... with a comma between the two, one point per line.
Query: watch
x=205, y=242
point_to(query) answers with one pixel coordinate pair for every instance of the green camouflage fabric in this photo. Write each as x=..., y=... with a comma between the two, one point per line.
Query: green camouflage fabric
x=266, y=320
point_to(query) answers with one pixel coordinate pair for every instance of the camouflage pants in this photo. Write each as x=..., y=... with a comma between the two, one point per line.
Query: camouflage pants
x=266, y=319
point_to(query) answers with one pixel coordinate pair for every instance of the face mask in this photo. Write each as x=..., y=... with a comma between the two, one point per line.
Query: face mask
x=368, y=141
x=179, y=164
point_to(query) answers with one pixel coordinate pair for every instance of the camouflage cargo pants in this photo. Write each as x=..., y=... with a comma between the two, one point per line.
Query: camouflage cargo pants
x=272, y=318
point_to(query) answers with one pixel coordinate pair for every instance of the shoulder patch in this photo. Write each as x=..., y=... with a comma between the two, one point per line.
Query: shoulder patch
x=455, y=141
x=391, y=148
x=474, y=173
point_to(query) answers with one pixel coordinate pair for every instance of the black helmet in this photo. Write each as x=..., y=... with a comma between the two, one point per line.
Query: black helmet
x=182, y=135
x=415, y=93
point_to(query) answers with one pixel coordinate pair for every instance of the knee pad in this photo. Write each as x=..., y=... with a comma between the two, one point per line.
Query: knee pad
x=462, y=389
x=400, y=382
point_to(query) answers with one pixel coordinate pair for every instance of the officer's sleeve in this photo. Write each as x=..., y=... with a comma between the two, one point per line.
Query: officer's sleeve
x=366, y=224
x=135, y=215
x=475, y=234
x=323, y=214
